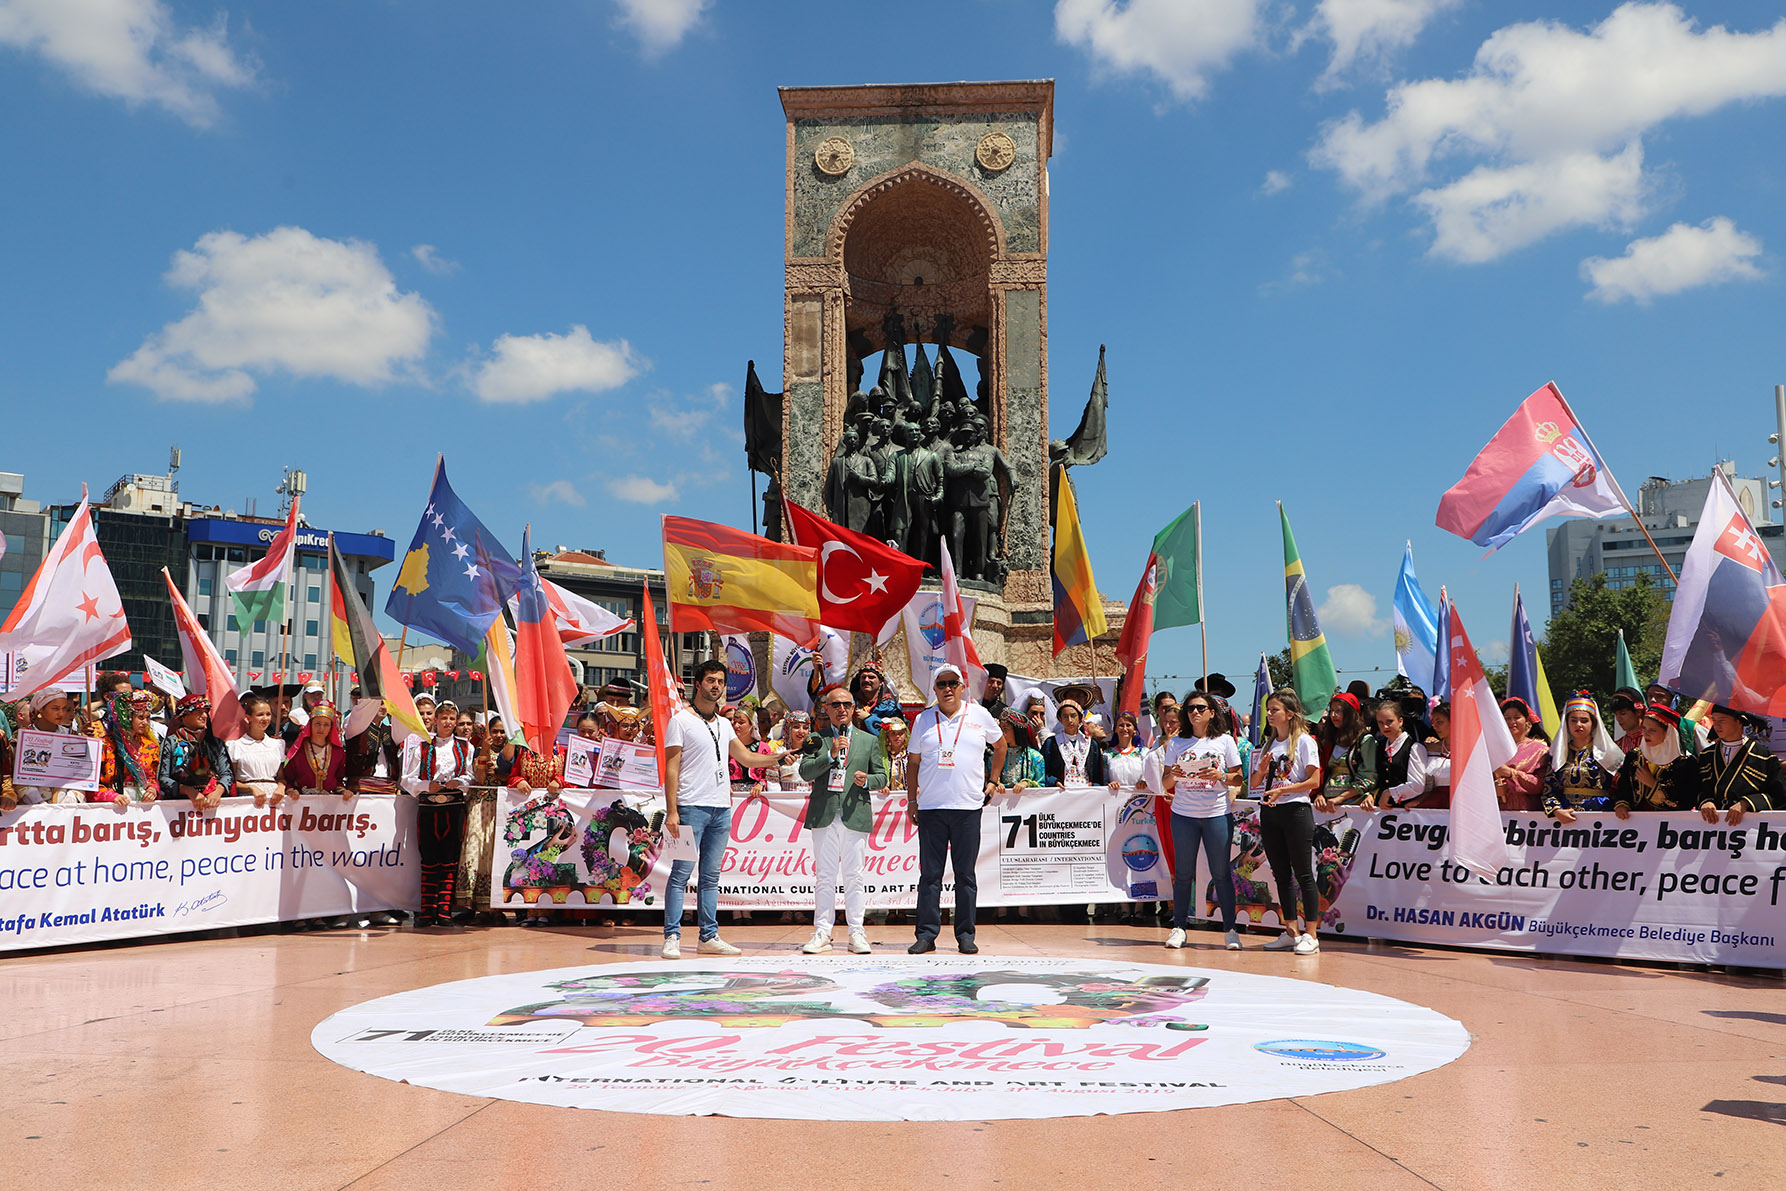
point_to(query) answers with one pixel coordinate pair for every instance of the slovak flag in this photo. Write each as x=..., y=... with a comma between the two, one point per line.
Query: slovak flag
x=958, y=645
x=1540, y=464
x=1727, y=632
x=544, y=684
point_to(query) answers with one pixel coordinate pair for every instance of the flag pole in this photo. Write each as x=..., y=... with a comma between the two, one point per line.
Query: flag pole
x=1619, y=488
x=1202, y=619
x=328, y=620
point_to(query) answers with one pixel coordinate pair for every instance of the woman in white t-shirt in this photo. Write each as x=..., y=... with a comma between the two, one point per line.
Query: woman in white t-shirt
x=1197, y=769
x=1286, y=769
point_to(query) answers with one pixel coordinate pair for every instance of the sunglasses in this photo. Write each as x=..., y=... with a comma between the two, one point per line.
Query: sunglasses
x=1198, y=707
x=839, y=703
x=947, y=684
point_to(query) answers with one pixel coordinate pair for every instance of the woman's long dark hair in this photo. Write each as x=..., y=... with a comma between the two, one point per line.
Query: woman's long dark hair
x=1221, y=717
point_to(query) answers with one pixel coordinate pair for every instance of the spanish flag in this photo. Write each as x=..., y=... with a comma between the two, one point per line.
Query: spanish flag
x=1078, y=610
x=724, y=579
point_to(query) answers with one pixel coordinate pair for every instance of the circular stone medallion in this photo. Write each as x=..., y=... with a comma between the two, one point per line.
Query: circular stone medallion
x=996, y=152
x=834, y=156
x=868, y=1039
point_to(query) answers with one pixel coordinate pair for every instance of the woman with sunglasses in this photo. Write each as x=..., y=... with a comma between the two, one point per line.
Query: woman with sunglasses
x=1286, y=769
x=1197, y=769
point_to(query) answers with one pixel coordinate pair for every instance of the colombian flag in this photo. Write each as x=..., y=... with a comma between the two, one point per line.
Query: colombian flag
x=1078, y=612
x=724, y=579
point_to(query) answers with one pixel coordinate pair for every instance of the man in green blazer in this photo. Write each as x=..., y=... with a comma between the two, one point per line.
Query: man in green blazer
x=844, y=765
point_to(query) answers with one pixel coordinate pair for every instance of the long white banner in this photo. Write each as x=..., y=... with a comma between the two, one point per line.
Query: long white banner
x=86, y=872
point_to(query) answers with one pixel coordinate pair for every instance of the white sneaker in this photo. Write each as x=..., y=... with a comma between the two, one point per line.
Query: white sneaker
x=717, y=946
x=1231, y=940
x=859, y=943
x=818, y=944
x=672, y=947
x=1284, y=942
x=1175, y=940
x=1307, y=945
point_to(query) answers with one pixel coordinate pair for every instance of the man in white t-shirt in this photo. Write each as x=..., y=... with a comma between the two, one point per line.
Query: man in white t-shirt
x=698, y=791
x=948, y=782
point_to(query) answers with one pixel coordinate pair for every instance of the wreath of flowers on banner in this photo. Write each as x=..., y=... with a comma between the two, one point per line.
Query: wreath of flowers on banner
x=958, y=994
x=617, y=815
x=545, y=814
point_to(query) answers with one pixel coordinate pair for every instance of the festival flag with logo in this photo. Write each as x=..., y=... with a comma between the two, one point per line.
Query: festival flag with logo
x=661, y=683
x=258, y=589
x=1416, y=627
x=579, y=621
x=1525, y=670
x=1179, y=551
x=958, y=641
x=207, y=673
x=1480, y=744
x=381, y=685
x=1727, y=632
x=69, y=616
x=543, y=681
x=729, y=581
x=1078, y=609
x=1137, y=634
x=1311, y=666
x=455, y=575
x=795, y=670
x=863, y=583
x=1540, y=464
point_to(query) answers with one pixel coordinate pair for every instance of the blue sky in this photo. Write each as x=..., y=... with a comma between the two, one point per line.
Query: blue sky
x=1330, y=244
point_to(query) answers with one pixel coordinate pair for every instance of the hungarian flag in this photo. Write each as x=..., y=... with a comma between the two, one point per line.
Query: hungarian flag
x=208, y=673
x=69, y=616
x=380, y=683
x=958, y=643
x=863, y=583
x=1078, y=609
x=724, y=579
x=1480, y=744
x=1137, y=632
x=578, y=621
x=665, y=690
x=1311, y=666
x=1727, y=633
x=544, y=685
x=258, y=589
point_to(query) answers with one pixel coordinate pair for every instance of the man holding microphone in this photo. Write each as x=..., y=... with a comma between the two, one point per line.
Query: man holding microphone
x=844, y=765
x=948, y=781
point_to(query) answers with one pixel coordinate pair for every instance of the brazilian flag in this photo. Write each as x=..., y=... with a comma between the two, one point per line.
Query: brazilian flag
x=1311, y=666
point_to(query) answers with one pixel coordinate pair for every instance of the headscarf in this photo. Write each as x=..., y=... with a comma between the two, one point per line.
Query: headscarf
x=1021, y=731
x=45, y=697
x=1670, y=749
x=188, y=704
x=327, y=710
x=1600, y=742
x=127, y=745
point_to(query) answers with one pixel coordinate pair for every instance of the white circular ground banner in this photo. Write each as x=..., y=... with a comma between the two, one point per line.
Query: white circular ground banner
x=935, y=1038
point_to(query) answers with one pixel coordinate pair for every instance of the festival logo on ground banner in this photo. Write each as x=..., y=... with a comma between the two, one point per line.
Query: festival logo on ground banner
x=617, y=843
x=866, y=1038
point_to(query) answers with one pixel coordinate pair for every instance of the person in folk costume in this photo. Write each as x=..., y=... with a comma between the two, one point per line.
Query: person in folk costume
x=1656, y=775
x=258, y=755
x=1584, y=762
x=1628, y=712
x=1437, y=795
x=1401, y=765
x=796, y=730
x=9, y=716
x=195, y=764
x=374, y=762
x=1736, y=774
x=1348, y=751
x=1520, y=783
x=1071, y=757
x=51, y=711
x=317, y=763
x=875, y=698
x=130, y=765
x=437, y=773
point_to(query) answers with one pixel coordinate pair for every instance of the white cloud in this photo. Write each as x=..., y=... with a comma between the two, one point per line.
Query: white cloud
x=1351, y=611
x=1180, y=42
x=681, y=423
x=660, y=24
x=1496, y=653
x=1368, y=29
x=287, y=301
x=1276, y=182
x=1543, y=109
x=430, y=259
x=131, y=50
x=534, y=367
x=560, y=491
x=1306, y=268
x=641, y=490
x=685, y=422
x=1681, y=258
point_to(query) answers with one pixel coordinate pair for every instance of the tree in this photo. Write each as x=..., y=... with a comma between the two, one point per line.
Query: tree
x=1581, y=642
x=1278, y=664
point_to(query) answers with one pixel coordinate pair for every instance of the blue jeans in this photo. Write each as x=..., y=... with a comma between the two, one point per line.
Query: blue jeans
x=1216, y=835
x=712, y=826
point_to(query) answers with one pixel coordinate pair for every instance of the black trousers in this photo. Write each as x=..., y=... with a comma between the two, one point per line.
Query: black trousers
x=1287, y=832
x=440, y=837
x=952, y=835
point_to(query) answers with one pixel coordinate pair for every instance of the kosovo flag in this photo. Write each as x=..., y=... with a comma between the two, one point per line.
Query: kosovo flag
x=456, y=575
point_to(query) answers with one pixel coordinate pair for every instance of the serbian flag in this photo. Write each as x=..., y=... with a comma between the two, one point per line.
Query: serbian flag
x=863, y=583
x=579, y=621
x=382, y=687
x=958, y=644
x=208, y=674
x=1078, y=610
x=1137, y=632
x=258, y=589
x=661, y=683
x=729, y=581
x=1480, y=744
x=1727, y=633
x=543, y=681
x=69, y=616
x=1540, y=464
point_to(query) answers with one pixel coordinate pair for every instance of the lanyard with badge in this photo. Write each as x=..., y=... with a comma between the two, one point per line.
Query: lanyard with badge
x=718, y=758
x=840, y=762
x=945, y=756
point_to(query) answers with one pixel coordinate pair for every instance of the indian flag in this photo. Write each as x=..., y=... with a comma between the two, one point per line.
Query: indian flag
x=259, y=588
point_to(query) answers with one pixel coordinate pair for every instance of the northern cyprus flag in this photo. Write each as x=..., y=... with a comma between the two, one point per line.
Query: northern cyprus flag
x=259, y=588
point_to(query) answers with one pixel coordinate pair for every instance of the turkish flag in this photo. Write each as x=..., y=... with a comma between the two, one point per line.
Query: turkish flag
x=863, y=583
x=430, y=678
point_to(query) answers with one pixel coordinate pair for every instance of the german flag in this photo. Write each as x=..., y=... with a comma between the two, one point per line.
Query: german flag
x=378, y=673
x=724, y=579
